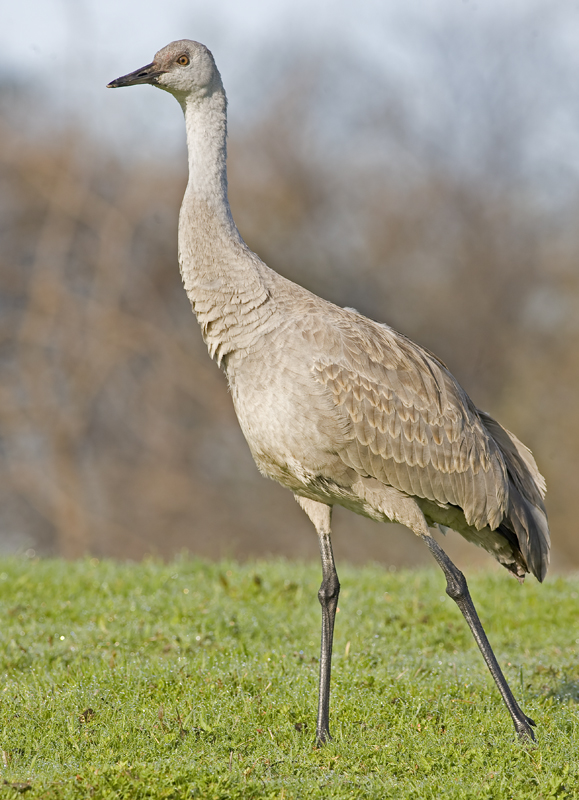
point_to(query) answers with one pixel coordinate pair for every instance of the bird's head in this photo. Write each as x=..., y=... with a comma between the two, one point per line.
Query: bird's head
x=182, y=68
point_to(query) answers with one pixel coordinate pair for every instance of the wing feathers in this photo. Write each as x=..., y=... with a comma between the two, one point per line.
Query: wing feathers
x=411, y=424
x=413, y=427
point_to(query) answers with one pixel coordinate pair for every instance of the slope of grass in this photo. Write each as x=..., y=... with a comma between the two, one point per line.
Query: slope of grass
x=194, y=679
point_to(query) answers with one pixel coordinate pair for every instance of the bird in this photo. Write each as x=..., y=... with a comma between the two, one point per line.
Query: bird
x=336, y=407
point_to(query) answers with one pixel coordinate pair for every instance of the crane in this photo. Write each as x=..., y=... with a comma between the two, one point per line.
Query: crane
x=336, y=407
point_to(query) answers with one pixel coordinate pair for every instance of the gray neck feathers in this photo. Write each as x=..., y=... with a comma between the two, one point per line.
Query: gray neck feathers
x=222, y=277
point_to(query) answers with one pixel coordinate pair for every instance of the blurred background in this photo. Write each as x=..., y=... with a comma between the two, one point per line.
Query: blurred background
x=419, y=162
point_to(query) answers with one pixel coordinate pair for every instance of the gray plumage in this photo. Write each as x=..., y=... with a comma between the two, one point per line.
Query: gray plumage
x=336, y=407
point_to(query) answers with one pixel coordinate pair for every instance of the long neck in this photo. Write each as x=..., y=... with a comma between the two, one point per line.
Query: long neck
x=206, y=124
x=221, y=275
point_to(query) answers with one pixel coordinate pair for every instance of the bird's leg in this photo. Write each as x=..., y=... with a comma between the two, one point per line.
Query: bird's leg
x=328, y=597
x=320, y=514
x=457, y=589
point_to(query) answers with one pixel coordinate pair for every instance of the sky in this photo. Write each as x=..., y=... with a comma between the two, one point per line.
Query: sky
x=68, y=50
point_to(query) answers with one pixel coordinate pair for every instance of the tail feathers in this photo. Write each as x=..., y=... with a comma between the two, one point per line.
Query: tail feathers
x=519, y=460
x=526, y=516
x=530, y=526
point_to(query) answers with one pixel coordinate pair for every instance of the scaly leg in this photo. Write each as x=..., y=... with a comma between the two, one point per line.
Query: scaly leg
x=457, y=589
x=328, y=597
x=320, y=515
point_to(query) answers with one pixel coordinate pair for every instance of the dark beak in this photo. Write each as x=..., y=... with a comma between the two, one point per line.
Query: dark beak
x=147, y=74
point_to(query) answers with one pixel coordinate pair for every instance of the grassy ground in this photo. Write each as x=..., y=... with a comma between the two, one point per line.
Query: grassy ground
x=199, y=680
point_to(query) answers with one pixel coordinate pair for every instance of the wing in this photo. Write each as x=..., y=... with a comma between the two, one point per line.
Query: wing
x=526, y=516
x=412, y=425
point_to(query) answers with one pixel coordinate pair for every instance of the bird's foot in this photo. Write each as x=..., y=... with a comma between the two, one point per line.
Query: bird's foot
x=524, y=726
x=322, y=738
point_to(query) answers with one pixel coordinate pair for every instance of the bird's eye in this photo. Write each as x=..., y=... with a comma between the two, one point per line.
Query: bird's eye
x=183, y=60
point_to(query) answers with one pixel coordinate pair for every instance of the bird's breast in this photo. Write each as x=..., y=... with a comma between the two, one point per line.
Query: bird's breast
x=289, y=421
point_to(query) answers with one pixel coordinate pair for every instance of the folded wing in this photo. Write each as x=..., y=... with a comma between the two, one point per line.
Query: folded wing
x=413, y=427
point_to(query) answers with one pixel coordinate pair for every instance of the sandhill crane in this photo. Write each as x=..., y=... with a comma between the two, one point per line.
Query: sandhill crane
x=336, y=407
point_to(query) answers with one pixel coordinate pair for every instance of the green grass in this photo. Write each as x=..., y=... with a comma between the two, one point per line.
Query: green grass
x=194, y=679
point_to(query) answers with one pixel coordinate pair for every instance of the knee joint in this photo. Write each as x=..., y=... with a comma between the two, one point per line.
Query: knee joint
x=456, y=586
x=329, y=590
